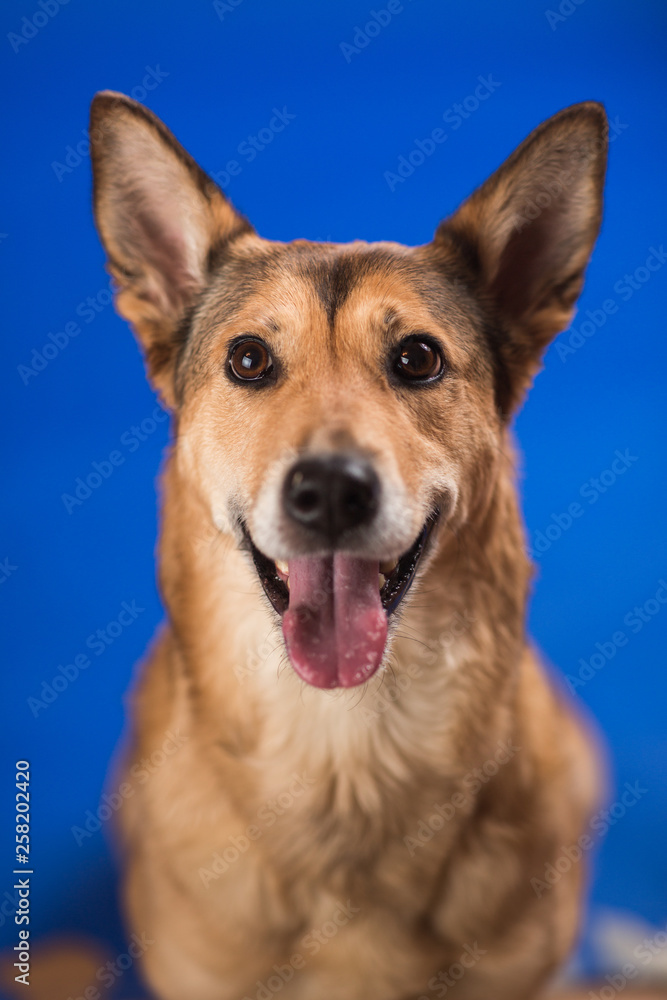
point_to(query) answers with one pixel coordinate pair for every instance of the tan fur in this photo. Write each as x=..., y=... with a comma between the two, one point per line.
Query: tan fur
x=460, y=677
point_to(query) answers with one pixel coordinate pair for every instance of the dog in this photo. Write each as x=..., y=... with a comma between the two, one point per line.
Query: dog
x=373, y=770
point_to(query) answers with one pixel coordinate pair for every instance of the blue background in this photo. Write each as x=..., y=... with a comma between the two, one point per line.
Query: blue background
x=321, y=178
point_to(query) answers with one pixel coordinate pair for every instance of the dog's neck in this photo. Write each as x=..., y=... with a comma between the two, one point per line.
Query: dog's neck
x=465, y=619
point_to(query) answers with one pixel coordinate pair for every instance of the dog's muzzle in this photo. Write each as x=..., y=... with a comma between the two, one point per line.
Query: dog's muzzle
x=335, y=603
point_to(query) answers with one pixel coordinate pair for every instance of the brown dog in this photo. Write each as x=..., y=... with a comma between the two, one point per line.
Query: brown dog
x=368, y=786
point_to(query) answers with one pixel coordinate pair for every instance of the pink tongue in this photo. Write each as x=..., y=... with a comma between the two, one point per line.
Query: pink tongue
x=335, y=628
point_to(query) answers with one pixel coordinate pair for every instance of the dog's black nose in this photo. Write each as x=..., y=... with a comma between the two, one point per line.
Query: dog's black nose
x=332, y=494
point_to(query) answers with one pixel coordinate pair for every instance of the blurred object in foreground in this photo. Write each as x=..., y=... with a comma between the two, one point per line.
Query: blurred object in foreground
x=623, y=939
x=60, y=967
x=604, y=991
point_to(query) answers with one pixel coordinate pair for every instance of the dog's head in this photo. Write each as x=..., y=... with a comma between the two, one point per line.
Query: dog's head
x=337, y=403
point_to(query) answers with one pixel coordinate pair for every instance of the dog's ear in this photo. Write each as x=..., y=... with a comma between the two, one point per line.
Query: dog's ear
x=160, y=218
x=527, y=233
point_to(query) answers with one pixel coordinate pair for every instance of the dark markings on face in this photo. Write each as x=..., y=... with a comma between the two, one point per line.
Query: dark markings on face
x=335, y=278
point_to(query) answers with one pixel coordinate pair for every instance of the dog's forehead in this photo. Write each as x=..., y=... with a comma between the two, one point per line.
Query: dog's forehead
x=335, y=272
x=323, y=277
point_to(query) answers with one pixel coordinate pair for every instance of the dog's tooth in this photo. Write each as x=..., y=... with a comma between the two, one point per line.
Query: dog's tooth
x=382, y=580
x=388, y=567
x=282, y=567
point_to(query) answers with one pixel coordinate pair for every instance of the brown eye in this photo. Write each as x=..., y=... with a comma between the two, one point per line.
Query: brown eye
x=418, y=360
x=250, y=360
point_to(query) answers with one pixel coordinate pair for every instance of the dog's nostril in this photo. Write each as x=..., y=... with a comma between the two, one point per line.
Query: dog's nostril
x=332, y=494
x=356, y=500
x=307, y=500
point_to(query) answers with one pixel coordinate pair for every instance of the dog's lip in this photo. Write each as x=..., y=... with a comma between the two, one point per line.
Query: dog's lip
x=396, y=584
x=274, y=586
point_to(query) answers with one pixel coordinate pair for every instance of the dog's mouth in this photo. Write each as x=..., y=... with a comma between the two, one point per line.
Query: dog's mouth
x=335, y=608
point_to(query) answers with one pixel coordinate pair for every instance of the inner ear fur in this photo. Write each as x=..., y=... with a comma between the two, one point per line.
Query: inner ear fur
x=527, y=233
x=161, y=220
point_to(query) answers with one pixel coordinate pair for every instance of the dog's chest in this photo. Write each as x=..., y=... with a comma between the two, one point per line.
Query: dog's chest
x=344, y=783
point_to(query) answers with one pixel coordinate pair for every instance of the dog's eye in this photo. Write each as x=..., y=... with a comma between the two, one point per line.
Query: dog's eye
x=418, y=360
x=250, y=360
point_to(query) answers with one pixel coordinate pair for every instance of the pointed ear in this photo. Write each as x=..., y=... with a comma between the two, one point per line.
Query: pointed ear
x=161, y=220
x=527, y=233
